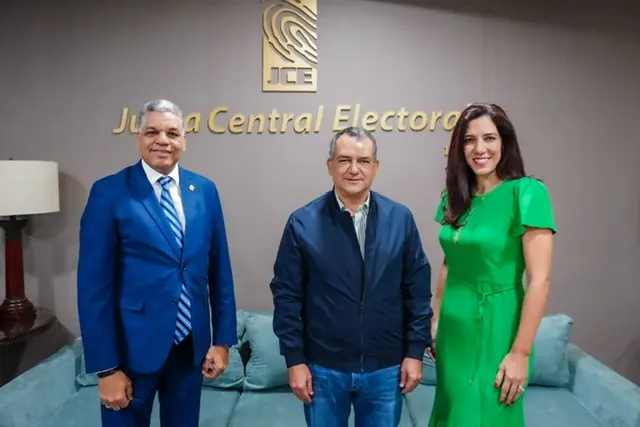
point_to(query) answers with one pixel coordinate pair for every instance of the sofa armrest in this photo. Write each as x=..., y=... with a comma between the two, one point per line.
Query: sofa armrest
x=36, y=393
x=606, y=394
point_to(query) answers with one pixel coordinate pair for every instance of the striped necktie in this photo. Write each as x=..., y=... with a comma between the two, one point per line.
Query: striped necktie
x=183, y=324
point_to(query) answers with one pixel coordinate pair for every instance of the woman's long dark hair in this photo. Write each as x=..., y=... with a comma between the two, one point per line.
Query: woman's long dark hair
x=461, y=180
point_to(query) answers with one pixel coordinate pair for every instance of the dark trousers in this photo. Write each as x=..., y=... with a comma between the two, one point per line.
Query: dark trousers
x=376, y=398
x=178, y=385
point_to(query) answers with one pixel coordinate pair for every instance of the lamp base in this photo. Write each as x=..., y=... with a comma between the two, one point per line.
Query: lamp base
x=14, y=310
x=15, y=307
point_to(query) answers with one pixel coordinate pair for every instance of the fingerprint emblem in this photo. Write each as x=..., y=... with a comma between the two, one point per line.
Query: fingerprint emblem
x=290, y=53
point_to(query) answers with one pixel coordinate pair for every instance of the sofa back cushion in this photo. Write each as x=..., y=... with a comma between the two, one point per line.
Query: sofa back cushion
x=266, y=367
x=231, y=378
x=550, y=361
x=550, y=358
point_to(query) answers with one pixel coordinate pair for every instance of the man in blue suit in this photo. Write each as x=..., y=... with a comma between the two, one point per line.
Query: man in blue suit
x=156, y=297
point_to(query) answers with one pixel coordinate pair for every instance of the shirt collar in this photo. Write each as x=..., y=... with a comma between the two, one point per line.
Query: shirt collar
x=365, y=205
x=153, y=175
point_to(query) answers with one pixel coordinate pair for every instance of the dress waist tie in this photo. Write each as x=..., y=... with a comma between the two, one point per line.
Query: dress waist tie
x=479, y=335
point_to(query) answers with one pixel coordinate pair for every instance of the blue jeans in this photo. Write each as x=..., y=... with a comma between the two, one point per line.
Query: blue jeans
x=376, y=397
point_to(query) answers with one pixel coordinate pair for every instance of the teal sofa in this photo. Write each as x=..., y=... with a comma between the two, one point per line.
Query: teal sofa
x=568, y=388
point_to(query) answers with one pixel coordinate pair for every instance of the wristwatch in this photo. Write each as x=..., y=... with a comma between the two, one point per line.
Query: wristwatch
x=107, y=372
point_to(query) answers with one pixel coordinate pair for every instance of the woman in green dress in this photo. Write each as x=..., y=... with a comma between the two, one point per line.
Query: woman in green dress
x=497, y=225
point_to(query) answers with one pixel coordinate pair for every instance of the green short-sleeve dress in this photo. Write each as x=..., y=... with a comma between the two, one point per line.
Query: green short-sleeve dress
x=482, y=301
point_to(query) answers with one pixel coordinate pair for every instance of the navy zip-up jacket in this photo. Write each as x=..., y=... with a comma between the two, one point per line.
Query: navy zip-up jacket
x=339, y=311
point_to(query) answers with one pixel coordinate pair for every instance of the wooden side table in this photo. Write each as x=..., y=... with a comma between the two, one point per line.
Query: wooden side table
x=14, y=337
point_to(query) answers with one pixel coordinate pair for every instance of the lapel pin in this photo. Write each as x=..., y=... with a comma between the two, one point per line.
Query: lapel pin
x=192, y=187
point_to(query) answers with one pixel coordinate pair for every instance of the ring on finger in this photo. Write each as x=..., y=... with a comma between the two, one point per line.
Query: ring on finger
x=520, y=388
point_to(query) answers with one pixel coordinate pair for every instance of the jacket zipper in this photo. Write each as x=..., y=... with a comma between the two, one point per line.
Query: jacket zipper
x=364, y=275
x=362, y=287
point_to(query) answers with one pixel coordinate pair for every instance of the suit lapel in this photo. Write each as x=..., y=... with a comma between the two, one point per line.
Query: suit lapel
x=148, y=198
x=189, y=194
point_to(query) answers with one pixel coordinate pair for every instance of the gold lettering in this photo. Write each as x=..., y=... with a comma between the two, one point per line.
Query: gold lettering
x=236, y=122
x=414, y=119
x=340, y=118
x=383, y=121
x=356, y=115
x=307, y=76
x=212, y=119
x=273, y=117
x=434, y=118
x=133, y=124
x=297, y=125
x=291, y=75
x=448, y=124
x=369, y=121
x=316, y=129
x=252, y=119
x=123, y=121
x=192, y=123
x=286, y=118
x=402, y=115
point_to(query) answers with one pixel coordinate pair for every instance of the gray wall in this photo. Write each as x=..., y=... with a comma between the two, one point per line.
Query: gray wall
x=567, y=78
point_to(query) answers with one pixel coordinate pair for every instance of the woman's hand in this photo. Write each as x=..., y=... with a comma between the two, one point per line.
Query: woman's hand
x=512, y=376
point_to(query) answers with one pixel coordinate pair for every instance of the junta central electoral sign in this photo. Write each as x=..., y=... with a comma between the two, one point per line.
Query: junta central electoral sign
x=290, y=65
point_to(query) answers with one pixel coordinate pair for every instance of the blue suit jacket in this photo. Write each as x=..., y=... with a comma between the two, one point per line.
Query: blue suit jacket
x=130, y=271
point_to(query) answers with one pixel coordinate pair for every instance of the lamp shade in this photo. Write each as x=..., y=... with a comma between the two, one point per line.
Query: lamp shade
x=28, y=187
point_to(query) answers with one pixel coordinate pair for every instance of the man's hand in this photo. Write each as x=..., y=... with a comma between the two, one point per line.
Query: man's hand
x=115, y=391
x=431, y=351
x=300, y=382
x=216, y=361
x=410, y=374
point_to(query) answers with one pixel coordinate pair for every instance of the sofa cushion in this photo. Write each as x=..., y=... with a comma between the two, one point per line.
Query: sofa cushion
x=556, y=407
x=419, y=403
x=283, y=409
x=216, y=407
x=231, y=378
x=550, y=363
x=33, y=394
x=428, y=370
x=543, y=407
x=606, y=394
x=83, y=410
x=266, y=368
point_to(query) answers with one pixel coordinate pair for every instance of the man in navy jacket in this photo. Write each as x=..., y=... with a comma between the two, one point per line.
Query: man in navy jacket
x=352, y=295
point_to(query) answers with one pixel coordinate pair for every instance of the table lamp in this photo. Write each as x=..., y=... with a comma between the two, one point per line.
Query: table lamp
x=26, y=188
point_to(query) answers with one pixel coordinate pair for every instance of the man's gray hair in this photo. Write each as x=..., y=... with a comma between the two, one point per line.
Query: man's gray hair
x=160, y=106
x=358, y=133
